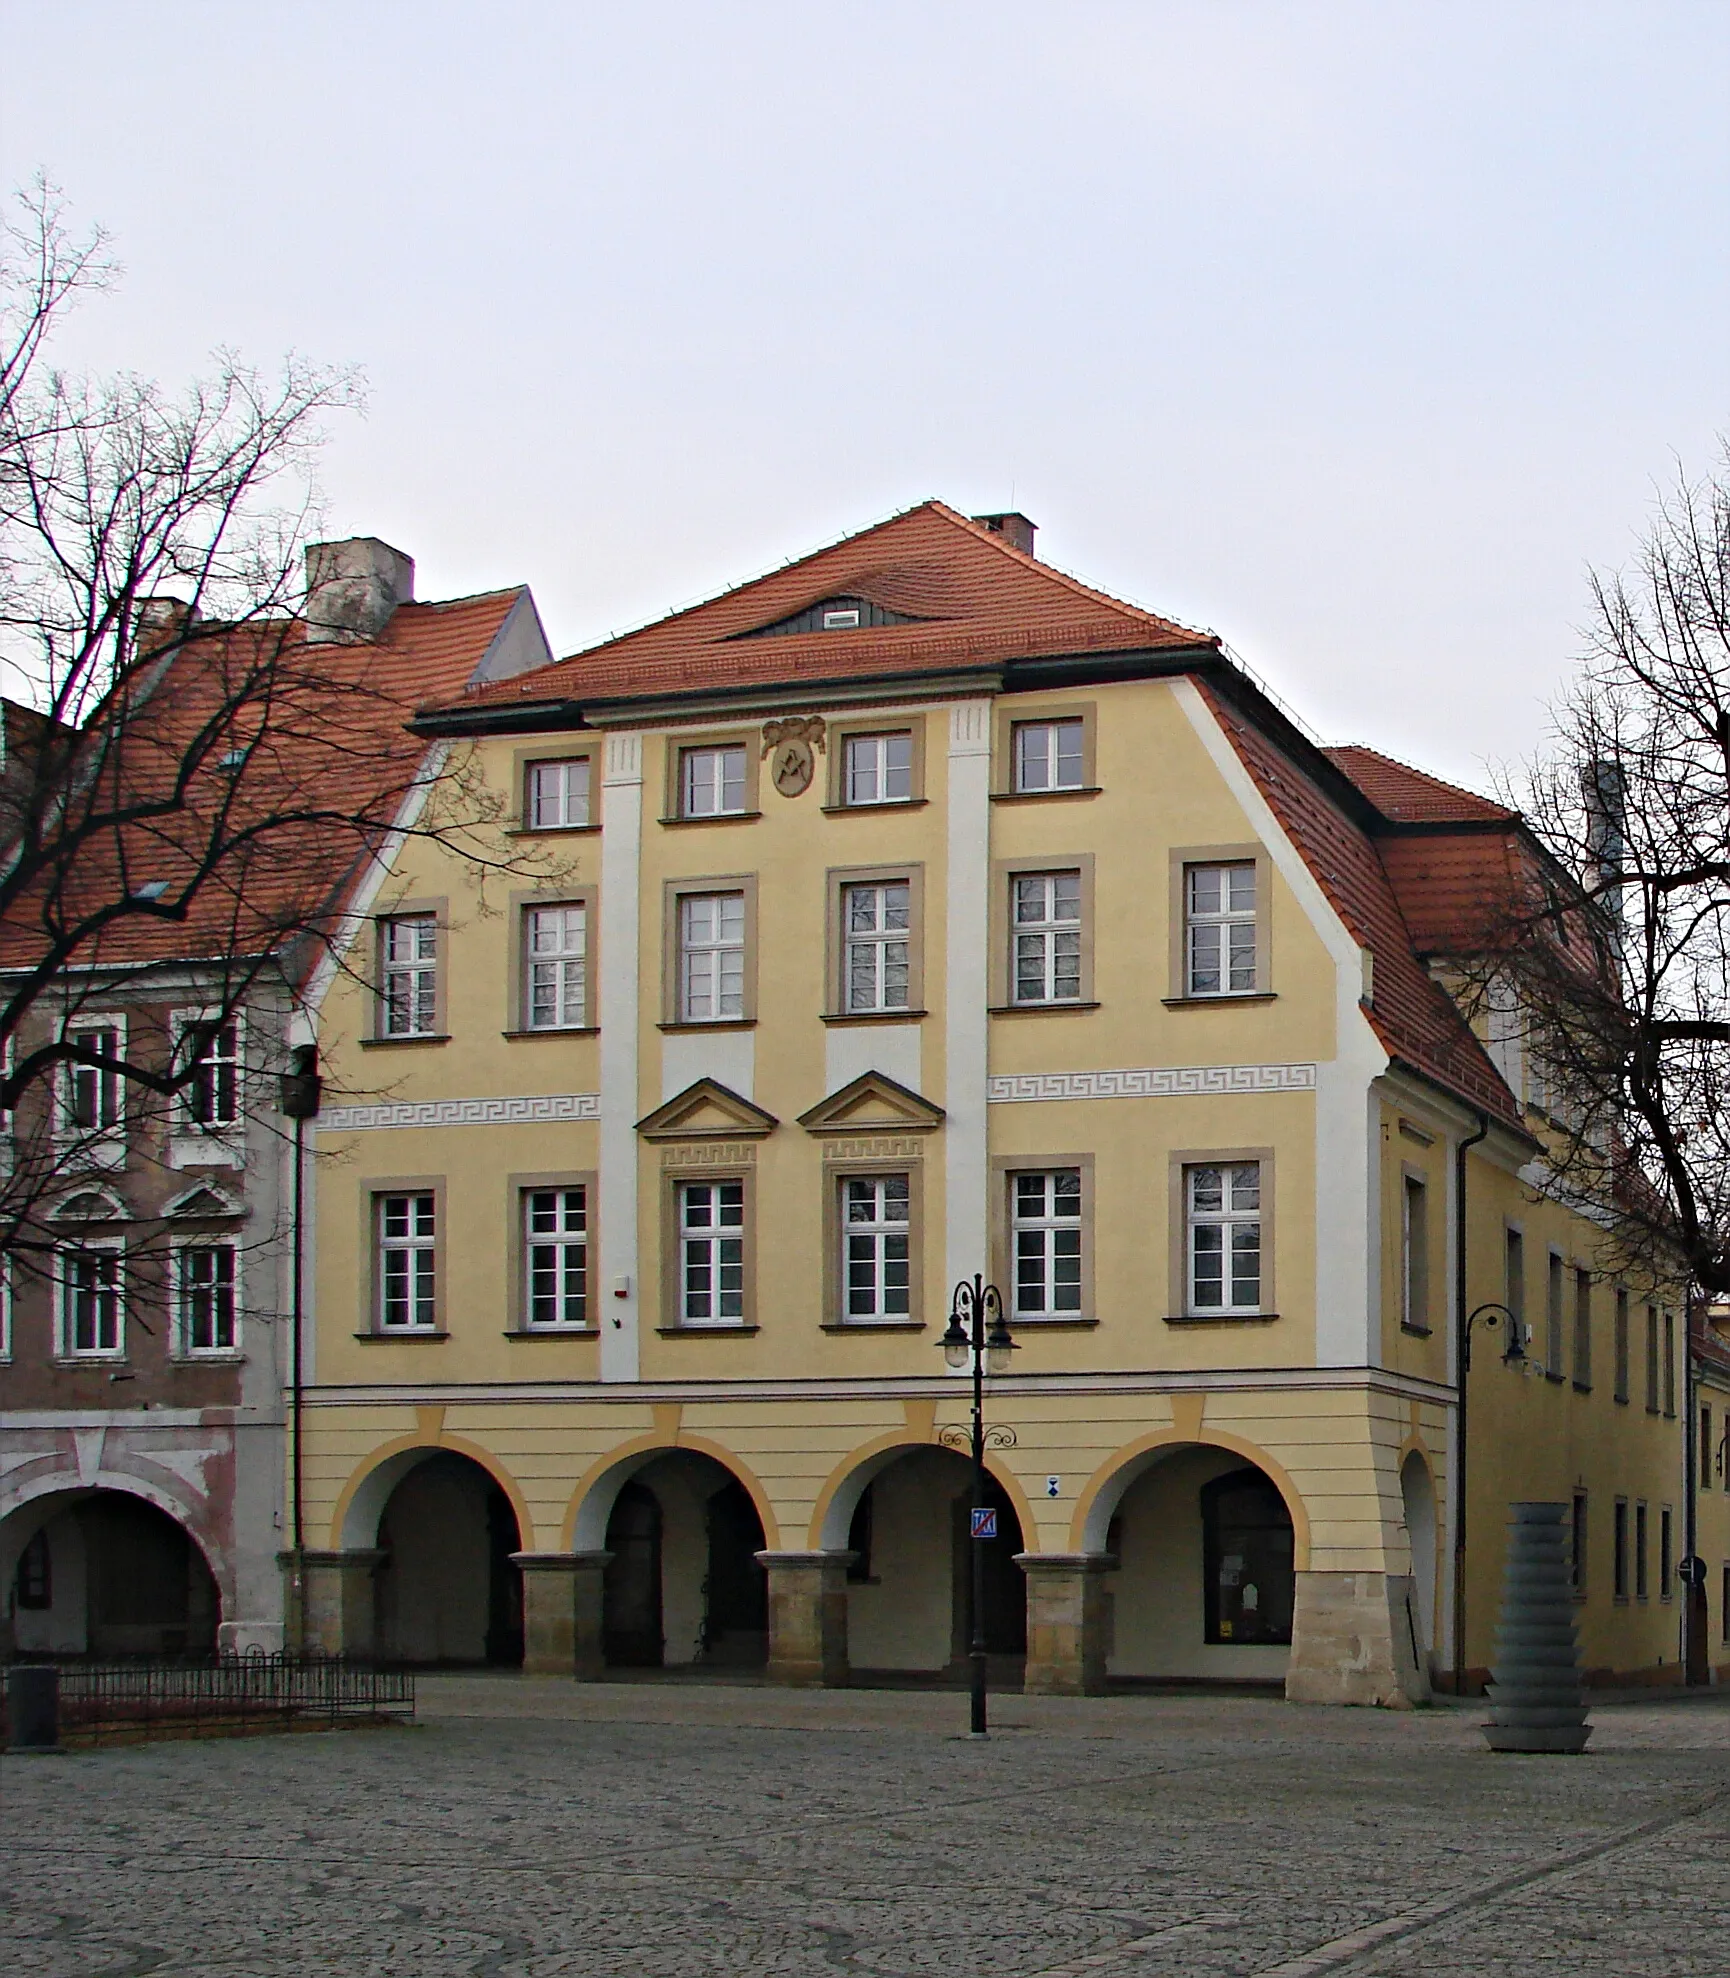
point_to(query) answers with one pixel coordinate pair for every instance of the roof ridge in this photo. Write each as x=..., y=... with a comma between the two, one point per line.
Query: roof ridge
x=1336, y=749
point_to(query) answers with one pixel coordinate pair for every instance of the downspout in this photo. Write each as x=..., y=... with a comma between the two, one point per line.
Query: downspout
x=1693, y=1598
x=1463, y=1367
x=300, y=1097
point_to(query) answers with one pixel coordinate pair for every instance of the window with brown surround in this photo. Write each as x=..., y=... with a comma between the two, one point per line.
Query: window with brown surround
x=1651, y=1359
x=876, y=765
x=709, y=949
x=1414, y=1251
x=409, y=1005
x=1221, y=924
x=1045, y=751
x=553, y=972
x=1221, y=1236
x=708, y=1255
x=712, y=779
x=1553, y=1321
x=552, y=1289
x=876, y=944
x=1623, y=1355
x=558, y=789
x=404, y=1233
x=1583, y=1330
x=1042, y=927
x=873, y=1236
x=1514, y=1285
x=1042, y=1237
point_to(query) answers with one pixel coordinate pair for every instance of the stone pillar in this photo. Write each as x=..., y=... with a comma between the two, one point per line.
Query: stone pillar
x=808, y=1618
x=331, y=1609
x=1353, y=1641
x=562, y=1613
x=1065, y=1621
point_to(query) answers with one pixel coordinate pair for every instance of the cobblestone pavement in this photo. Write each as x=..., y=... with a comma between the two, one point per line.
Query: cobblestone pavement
x=535, y=1829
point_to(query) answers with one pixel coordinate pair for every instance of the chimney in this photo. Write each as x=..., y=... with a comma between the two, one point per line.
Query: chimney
x=1604, y=788
x=163, y=620
x=1014, y=528
x=352, y=588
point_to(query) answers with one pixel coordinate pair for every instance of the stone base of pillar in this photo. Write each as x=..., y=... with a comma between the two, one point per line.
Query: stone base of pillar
x=562, y=1613
x=1065, y=1621
x=808, y=1618
x=329, y=1601
x=1354, y=1640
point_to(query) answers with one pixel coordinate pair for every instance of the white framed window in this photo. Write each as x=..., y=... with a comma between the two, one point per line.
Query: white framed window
x=212, y=1096
x=407, y=1263
x=712, y=782
x=556, y=940
x=1223, y=1212
x=558, y=795
x=711, y=957
x=93, y=1096
x=876, y=1239
x=92, y=1320
x=204, y=1297
x=1049, y=755
x=556, y=1261
x=711, y=1253
x=1219, y=930
x=1047, y=935
x=877, y=769
x=1045, y=1236
x=876, y=965
x=1414, y=1254
x=410, y=956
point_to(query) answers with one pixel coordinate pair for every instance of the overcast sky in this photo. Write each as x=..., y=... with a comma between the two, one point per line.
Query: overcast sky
x=1353, y=331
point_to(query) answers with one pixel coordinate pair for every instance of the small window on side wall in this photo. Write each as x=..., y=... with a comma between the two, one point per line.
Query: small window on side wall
x=1048, y=755
x=556, y=795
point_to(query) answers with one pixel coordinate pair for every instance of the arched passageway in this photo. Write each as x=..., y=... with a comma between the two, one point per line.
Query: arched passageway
x=104, y=1573
x=683, y=1586
x=908, y=1585
x=447, y=1589
x=1204, y=1583
x=1418, y=1497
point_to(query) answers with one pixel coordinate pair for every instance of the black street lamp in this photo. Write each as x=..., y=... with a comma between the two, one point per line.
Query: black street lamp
x=1492, y=1312
x=978, y=1328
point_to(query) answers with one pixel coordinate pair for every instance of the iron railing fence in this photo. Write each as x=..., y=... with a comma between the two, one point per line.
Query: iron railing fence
x=156, y=1697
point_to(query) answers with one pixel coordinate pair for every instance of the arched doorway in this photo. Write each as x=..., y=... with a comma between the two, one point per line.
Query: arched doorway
x=908, y=1585
x=684, y=1587
x=447, y=1590
x=1204, y=1583
x=1418, y=1496
x=104, y=1573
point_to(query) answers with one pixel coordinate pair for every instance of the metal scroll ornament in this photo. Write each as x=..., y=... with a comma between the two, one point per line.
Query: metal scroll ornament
x=998, y=1435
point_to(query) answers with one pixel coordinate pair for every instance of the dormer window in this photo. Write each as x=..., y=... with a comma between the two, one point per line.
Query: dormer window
x=846, y=611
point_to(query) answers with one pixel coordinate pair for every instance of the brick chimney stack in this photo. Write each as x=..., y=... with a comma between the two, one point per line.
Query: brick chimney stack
x=1014, y=528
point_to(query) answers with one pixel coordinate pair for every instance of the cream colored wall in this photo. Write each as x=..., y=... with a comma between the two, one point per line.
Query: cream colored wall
x=907, y=1620
x=1712, y=1513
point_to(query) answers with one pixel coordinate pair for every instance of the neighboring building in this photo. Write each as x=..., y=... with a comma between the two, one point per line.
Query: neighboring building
x=143, y=1346
x=920, y=911
x=1711, y=1449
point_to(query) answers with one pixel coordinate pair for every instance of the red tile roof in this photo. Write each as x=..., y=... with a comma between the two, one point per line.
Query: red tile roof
x=1410, y=796
x=979, y=602
x=320, y=785
x=1413, y=1017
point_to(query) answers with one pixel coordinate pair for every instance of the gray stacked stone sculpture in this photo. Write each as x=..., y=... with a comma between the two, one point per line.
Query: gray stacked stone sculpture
x=1537, y=1699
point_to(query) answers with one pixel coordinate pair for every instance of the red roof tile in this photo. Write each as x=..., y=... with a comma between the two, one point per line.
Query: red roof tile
x=979, y=602
x=1410, y=796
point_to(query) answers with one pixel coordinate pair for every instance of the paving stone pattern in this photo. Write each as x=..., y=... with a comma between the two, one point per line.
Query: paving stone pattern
x=530, y=1829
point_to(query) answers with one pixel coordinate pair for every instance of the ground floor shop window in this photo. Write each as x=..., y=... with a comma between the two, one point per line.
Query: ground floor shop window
x=1247, y=1560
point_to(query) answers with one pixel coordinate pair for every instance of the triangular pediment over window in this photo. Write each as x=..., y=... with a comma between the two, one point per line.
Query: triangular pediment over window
x=92, y=1205
x=872, y=1103
x=202, y=1201
x=707, y=1110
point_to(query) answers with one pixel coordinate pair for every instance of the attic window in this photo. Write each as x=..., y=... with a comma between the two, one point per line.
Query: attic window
x=848, y=612
x=232, y=761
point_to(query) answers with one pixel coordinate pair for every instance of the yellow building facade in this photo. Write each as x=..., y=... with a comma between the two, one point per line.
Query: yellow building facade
x=909, y=914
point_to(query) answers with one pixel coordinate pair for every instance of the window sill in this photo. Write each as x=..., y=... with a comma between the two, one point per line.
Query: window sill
x=206, y=1150
x=1056, y=1007
x=1021, y=1325
x=549, y=830
x=873, y=1325
x=1213, y=1002
x=873, y=1016
x=1044, y=796
x=1621, y=1401
x=1582, y=1387
x=705, y=1332
x=882, y=803
x=1220, y=1318
x=223, y=1359
x=401, y=1043
x=564, y=1030
x=552, y=1332
x=718, y=817
x=409, y=1336
x=1416, y=1332
x=713, y=1023
x=1556, y=1379
x=86, y=1360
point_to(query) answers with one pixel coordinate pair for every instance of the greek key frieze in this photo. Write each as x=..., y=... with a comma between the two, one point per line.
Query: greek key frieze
x=1151, y=1082
x=875, y=1147
x=710, y=1154
x=544, y=1109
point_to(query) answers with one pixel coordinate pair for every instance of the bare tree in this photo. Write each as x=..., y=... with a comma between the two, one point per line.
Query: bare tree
x=192, y=777
x=1604, y=956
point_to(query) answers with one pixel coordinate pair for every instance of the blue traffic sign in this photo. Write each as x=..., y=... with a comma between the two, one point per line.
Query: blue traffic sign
x=984, y=1522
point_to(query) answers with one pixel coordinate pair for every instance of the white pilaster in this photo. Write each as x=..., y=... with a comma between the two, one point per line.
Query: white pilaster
x=621, y=963
x=965, y=1032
